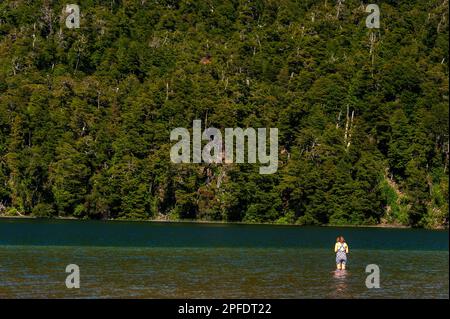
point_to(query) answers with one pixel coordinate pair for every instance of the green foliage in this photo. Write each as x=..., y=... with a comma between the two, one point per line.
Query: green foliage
x=396, y=210
x=43, y=210
x=85, y=114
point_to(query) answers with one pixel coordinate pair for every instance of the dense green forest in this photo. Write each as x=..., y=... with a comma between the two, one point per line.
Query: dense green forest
x=86, y=114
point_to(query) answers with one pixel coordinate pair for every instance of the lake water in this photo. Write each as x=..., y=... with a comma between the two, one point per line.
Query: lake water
x=188, y=260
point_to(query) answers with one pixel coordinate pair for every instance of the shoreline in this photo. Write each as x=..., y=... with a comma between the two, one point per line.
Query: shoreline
x=155, y=220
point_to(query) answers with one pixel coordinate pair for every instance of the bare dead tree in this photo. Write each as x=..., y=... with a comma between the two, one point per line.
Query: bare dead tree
x=339, y=8
x=350, y=130
x=338, y=119
x=348, y=127
x=441, y=23
x=80, y=45
x=15, y=65
x=167, y=91
x=47, y=17
x=34, y=34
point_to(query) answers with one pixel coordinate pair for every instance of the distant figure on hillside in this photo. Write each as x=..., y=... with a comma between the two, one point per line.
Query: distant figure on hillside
x=341, y=250
x=206, y=59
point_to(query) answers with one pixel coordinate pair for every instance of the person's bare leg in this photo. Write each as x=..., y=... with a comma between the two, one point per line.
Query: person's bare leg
x=343, y=266
x=338, y=266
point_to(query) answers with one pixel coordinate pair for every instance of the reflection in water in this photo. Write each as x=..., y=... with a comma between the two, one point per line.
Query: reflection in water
x=340, y=279
x=340, y=284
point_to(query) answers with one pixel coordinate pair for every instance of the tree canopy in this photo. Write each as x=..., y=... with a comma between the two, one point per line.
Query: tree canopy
x=86, y=114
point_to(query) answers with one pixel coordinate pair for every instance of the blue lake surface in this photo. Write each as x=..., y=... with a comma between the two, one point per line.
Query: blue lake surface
x=193, y=260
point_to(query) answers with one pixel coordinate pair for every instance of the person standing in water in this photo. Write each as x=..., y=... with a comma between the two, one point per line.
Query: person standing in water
x=341, y=250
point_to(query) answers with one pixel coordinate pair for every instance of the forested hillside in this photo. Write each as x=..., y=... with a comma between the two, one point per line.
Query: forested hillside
x=86, y=114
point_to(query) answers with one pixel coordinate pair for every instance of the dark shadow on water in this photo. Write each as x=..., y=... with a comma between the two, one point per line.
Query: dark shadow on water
x=44, y=232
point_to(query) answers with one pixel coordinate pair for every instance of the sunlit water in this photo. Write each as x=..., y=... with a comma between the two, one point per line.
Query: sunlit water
x=184, y=260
